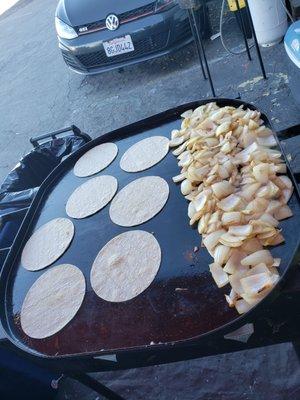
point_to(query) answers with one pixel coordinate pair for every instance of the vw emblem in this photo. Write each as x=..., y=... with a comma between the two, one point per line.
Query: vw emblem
x=112, y=22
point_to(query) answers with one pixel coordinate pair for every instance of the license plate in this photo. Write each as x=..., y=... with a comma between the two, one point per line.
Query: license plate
x=118, y=46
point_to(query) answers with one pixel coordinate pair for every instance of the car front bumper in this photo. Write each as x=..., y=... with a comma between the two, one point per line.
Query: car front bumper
x=152, y=36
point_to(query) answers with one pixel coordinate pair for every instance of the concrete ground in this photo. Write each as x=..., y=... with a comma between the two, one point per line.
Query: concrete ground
x=39, y=94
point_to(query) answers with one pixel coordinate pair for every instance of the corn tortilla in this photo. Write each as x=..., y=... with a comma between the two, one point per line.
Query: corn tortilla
x=96, y=159
x=139, y=201
x=47, y=244
x=126, y=266
x=52, y=301
x=144, y=154
x=91, y=196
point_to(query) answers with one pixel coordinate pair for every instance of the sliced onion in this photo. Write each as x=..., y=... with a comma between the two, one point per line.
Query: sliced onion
x=211, y=240
x=187, y=114
x=214, y=227
x=228, y=166
x=263, y=131
x=222, y=189
x=260, y=227
x=230, y=174
x=196, y=217
x=180, y=149
x=186, y=187
x=244, y=155
x=231, y=240
x=276, y=262
x=207, y=125
x=259, y=269
x=223, y=128
x=269, y=219
x=222, y=171
x=255, y=283
x=268, y=191
x=269, y=234
x=229, y=203
x=219, y=276
x=175, y=133
x=260, y=256
x=200, y=201
x=185, y=160
x=203, y=223
x=240, y=230
x=179, y=178
x=261, y=172
x=197, y=174
x=231, y=218
x=249, y=191
x=256, y=298
x=226, y=148
x=215, y=217
x=191, y=210
x=221, y=254
x=235, y=281
x=275, y=278
x=234, y=262
x=257, y=205
x=176, y=141
x=286, y=181
x=276, y=240
x=231, y=298
x=268, y=141
x=217, y=115
x=230, y=302
x=253, y=125
x=280, y=168
x=286, y=195
x=273, y=206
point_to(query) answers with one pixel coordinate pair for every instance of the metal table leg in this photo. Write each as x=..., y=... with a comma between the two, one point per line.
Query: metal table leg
x=95, y=385
x=240, y=19
x=197, y=45
x=255, y=41
x=199, y=38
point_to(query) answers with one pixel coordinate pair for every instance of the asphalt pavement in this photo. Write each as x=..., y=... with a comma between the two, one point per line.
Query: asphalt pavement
x=39, y=94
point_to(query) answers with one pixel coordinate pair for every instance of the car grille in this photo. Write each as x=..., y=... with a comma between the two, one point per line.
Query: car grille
x=72, y=61
x=123, y=18
x=141, y=47
x=183, y=31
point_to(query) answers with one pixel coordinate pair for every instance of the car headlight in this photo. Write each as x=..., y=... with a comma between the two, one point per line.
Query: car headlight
x=162, y=5
x=64, y=30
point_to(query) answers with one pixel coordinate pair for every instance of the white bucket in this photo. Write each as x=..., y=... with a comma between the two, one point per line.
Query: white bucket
x=270, y=21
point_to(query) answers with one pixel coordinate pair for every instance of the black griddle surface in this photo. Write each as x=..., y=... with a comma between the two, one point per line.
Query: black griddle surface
x=182, y=303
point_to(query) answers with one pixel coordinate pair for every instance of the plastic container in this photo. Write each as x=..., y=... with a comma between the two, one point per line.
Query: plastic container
x=292, y=47
x=270, y=21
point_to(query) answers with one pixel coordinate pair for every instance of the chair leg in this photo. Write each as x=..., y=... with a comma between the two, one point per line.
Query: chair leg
x=95, y=385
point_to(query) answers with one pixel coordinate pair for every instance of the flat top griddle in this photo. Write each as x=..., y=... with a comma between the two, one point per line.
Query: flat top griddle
x=183, y=303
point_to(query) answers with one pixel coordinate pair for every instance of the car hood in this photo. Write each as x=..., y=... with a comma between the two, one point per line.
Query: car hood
x=81, y=12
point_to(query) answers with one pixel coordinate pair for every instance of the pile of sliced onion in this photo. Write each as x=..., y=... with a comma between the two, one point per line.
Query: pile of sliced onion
x=233, y=178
